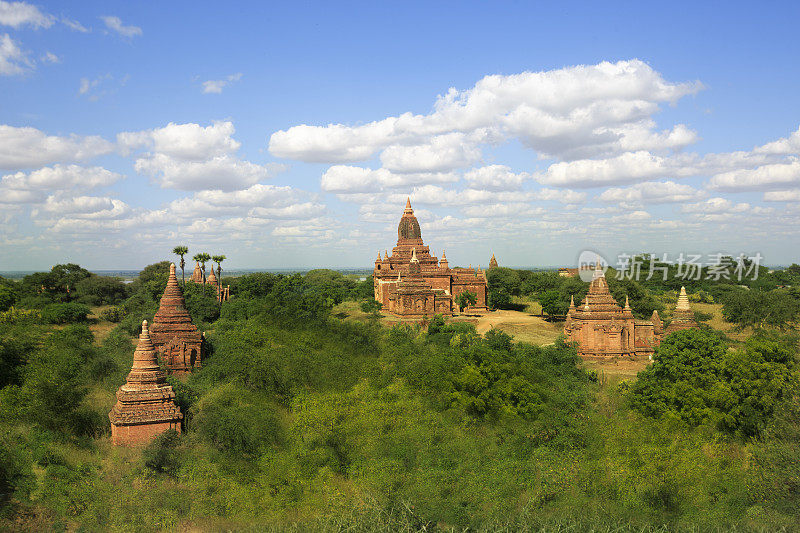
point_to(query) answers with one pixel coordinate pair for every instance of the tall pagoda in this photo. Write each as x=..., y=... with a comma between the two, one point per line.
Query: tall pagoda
x=175, y=337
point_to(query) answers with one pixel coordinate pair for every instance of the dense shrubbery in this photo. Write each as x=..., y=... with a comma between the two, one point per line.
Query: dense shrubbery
x=696, y=378
x=64, y=313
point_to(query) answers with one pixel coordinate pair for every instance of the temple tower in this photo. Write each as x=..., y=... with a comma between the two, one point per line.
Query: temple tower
x=145, y=405
x=174, y=335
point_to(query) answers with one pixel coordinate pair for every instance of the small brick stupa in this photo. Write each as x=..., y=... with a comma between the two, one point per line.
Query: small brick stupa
x=145, y=404
x=176, y=339
x=683, y=316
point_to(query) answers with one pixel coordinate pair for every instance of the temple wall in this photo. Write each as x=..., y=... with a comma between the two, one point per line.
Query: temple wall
x=140, y=434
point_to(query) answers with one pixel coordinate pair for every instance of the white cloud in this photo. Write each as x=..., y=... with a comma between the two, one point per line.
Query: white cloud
x=60, y=177
x=13, y=60
x=86, y=207
x=783, y=146
x=439, y=153
x=714, y=206
x=782, y=196
x=192, y=157
x=50, y=57
x=778, y=175
x=348, y=179
x=569, y=112
x=115, y=24
x=495, y=177
x=88, y=86
x=74, y=25
x=216, y=86
x=183, y=141
x=224, y=172
x=565, y=196
x=29, y=148
x=18, y=14
x=651, y=192
x=627, y=167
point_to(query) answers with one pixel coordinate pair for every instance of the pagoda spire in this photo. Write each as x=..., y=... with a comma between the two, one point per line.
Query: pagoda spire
x=572, y=302
x=683, y=301
x=414, y=255
x=408, y=208
x=145, y=404
x=627, y=305
x=173, y=334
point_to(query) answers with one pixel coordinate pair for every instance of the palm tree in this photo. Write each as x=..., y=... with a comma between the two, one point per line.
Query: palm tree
x=202, y=258
x=218, y=259
x=181, y=251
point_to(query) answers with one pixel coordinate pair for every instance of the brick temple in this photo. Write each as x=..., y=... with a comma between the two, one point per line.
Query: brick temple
x=413, y=283
x=175, y=337
x=603, y=328
x=145, y=405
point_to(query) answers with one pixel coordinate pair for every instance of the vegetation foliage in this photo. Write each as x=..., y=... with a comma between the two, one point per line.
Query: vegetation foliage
x=300, y=420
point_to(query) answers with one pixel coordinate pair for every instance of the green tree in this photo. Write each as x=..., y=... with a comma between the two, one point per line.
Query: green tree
x=504, y=278
x=99, y=290
x=218, y=259
x=552, y=302
x=8, y=297
x=466, y=298
x=695, y=378
x=776, y=308
x=181, y=251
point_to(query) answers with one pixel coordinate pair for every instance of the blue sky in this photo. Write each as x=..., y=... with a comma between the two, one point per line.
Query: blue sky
x=131, y=127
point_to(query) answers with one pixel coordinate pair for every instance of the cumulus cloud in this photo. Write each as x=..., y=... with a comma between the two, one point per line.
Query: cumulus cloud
x=440, y=153
x=349, y=179
x=715, y=205
x=115, y=24
x=86, y=207
x=18, y=14
x=183, y=141
x=28, y=147
x=495, y=177
x=225, y=172
x=193, y=157
x=782, y=196
x=13, y=60
x=651, y=192
x=60, y=177
x=566, y=113
x=216, y=86
x=627, y=167
x=773, y=176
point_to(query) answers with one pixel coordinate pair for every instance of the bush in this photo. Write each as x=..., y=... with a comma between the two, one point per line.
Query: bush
x=237, y=422
x=371, y=306
x=695, y=378
x=113, y=314
x=161, y=456
x=66, y=313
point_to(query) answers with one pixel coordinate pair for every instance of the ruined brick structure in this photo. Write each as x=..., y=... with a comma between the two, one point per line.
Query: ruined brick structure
x=145, y=405
x=176, y=338
x=413, y=283
x=198, y=276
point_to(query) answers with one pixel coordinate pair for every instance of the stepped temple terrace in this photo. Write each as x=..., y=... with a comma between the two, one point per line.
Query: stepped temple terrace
x=175, y=337
x=145, y=405
x=413, y=283
x=602, y=328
